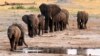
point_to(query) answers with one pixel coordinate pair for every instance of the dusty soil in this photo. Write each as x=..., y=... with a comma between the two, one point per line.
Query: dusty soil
x=71, y=37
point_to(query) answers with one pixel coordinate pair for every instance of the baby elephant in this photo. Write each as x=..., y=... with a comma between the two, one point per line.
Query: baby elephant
x=41, y=23
x=32, y=22
x=59, y=21
x=16, y=36
x=35, y=23
x=82, y=18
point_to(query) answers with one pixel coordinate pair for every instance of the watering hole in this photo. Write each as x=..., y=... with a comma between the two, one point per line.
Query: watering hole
x=59, y=50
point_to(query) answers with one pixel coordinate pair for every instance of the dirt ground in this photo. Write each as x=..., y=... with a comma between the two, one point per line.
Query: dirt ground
x=69, y=37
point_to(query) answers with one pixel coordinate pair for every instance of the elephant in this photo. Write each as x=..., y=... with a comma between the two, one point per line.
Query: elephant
x=41, y=23
x=67, y=17
x=49, y=11
x=59, y=21
x=82, y=19
x=32, y=22
x=16, y=36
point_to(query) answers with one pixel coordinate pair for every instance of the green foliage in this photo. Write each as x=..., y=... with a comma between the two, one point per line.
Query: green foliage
x=17, y=7
x=20, y=7
x=32, y=8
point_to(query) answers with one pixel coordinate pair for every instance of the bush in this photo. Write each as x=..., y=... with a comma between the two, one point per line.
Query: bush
x=31, y=8
x=17, y=7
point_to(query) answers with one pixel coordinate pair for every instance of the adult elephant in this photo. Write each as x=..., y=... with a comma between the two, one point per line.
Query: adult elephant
x=82, y=19
x=35, y=23
x=16, y=36
x=49, y=11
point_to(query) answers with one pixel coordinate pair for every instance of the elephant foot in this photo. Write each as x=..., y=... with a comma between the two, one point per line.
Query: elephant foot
x=45, y=31
x=55, y=30
x=51, y=30
x=11, y=49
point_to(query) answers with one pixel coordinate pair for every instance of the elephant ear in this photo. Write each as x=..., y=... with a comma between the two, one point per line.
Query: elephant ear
x=25, y=18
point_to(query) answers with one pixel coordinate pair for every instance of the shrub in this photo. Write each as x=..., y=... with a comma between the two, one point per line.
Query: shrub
x=17, y=7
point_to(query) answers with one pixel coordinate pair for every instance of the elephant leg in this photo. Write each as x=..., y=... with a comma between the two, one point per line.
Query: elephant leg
x=12, y=44
x=39, y=29
x=85, y=24
x=79, y=23
x=58, y=26
x=51, y=25
x=46, y=24
x=61, y=26
x=55, y=26
x=42, y=29
x=20, y=43
x=15, y=45
x=64, y=26
x=36, y=30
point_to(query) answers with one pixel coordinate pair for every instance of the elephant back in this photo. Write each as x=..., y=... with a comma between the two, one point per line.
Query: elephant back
x=34, y=20
x=82, y=15
x=14, y=31
x=53, y=9
x=67, y=15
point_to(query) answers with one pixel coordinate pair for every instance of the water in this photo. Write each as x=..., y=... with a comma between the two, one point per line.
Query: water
x=72, y=51
x=88, y=51
x=93, y=51
x=58, y=51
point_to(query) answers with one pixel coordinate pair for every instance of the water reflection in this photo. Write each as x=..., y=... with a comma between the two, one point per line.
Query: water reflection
x=88, y=51
x=72, y=51
x=93, y=51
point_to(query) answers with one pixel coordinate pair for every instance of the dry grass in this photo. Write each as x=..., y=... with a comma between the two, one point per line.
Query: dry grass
x=90, y=6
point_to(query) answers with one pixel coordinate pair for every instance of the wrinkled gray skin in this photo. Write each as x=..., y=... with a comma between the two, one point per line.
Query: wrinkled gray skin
x=49, y=11
x=82, y=19
x=41, y=23
x=16, y=36
x=61, y=20
x=67, y=17
x=32, y=22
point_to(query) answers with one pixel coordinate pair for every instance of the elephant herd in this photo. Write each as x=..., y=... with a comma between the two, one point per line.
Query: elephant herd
x=52, y=18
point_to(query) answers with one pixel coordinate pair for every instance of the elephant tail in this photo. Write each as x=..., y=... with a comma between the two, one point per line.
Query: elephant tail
x=10, y=32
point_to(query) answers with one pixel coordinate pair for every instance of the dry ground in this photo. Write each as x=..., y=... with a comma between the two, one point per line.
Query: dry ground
x=69, y=37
